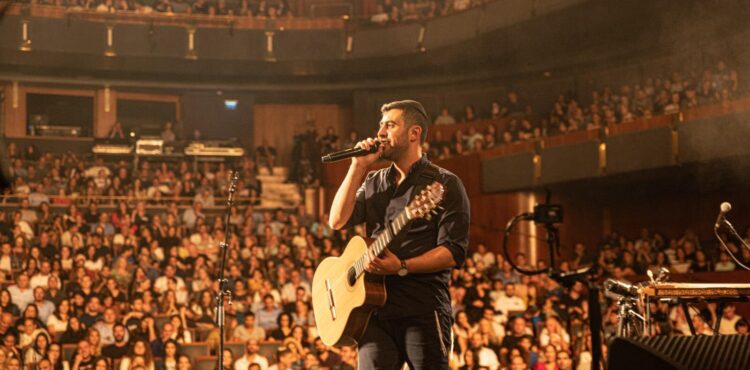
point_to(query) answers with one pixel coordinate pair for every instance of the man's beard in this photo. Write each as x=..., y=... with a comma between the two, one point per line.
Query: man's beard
x=393, y=153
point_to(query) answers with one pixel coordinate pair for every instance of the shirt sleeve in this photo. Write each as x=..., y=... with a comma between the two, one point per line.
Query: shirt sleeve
x=453, y=223
x=358, y=213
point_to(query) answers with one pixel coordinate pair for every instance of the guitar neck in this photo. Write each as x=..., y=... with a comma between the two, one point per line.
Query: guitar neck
x=382, y=241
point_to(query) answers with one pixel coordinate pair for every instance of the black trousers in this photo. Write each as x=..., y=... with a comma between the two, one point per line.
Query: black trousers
x=423, y=342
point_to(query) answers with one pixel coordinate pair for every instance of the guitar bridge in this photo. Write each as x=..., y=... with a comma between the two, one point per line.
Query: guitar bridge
x=331, y=303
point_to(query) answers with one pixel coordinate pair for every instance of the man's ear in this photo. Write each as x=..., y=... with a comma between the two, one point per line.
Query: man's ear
x=415, y=133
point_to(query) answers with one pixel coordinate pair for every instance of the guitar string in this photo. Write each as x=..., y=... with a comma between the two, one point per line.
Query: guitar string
x=345, y=275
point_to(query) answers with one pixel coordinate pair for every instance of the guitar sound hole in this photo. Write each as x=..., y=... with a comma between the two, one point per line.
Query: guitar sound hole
x=351, y=276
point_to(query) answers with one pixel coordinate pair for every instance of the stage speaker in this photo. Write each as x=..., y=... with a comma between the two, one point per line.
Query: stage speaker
x=724, y=352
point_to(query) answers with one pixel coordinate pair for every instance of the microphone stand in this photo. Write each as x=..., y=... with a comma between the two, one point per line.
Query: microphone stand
x=585, y=275
x=223, y=282
x=588, y=277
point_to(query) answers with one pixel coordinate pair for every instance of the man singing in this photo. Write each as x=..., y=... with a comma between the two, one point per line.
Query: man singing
x=414, y=324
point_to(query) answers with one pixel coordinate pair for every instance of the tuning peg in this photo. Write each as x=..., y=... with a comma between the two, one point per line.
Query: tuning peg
x=428, y=217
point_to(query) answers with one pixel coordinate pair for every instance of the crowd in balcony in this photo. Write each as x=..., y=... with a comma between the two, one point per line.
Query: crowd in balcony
x=133, y=287
x=241, y=8
x=390, y=11
x=604, y=108
x=386, y=12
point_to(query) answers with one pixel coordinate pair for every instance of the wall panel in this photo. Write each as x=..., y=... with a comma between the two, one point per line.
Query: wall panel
x=570, y=162
x=639, y=150
x=309, y=44
x=70, y=37
x=10, y=32
x=205, y=111
x=278, y=123
x=710, y=139
x=386, y=41
x=506, y=173
x=217, y=43
x=449, y=30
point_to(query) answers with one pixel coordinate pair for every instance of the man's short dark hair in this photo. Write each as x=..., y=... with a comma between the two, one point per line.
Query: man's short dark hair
x=414, y=114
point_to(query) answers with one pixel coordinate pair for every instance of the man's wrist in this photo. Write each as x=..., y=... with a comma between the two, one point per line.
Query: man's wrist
x=403, y=269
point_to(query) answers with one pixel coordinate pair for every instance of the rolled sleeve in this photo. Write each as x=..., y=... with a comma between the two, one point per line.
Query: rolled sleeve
x=453, y=223
x=358, y=213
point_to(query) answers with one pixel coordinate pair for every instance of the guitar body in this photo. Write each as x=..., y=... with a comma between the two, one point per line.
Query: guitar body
x=342, y=309
x=343, y=294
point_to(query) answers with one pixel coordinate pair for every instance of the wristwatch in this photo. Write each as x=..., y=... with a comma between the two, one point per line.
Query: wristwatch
x=403, y=270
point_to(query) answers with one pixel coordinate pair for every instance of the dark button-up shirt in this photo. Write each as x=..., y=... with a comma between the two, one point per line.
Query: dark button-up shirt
x=379, y=200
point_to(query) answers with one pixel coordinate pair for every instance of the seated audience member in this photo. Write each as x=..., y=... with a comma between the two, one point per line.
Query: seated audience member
x=251, y=356
x=265, y=154
x=444, y=118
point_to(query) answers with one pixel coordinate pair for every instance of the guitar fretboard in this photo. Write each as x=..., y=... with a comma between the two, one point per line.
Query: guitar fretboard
x=382, y=241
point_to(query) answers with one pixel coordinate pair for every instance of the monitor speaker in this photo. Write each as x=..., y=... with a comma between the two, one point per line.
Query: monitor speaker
x=730, y=352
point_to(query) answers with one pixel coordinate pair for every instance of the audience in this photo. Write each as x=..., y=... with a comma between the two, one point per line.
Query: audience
x=386, y=12
x=131, y=287
x=122, y=267
x=605, y=108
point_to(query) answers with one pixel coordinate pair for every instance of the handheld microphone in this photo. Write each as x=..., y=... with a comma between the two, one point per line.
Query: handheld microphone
x=349, y=153
x=621, y=288
x=723, y=210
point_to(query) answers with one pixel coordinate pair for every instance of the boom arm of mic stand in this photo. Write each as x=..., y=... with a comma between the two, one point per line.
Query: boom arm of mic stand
x=726, y=248
x=736, y=234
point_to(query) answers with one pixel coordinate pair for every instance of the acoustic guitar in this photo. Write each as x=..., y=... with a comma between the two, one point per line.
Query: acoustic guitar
x=344, y=296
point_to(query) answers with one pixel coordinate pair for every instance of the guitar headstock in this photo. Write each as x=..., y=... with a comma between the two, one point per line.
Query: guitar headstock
x=426, y=203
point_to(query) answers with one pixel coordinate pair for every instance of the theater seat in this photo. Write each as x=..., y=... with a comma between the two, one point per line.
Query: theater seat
x=238, y=348
x=195, y=350
x=269, y=349
x=67, y=352
x=205, y=363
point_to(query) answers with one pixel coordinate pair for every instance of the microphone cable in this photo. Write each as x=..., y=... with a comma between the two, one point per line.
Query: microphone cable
x=508, y=228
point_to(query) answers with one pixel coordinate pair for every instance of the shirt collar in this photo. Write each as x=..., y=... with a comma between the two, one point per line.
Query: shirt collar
x=421, y=162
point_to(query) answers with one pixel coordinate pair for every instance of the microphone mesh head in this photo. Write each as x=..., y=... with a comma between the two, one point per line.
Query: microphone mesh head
x=726, y=207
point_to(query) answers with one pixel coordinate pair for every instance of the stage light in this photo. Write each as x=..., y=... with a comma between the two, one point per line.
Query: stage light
x=230, y=104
